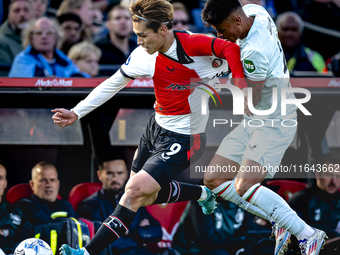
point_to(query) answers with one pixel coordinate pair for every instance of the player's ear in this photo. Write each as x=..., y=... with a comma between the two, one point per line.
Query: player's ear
x=163, y=30
x=238, y=20
x=31, y=183
x=99, y=174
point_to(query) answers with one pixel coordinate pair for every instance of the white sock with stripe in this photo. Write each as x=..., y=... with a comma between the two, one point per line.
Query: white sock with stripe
x=227, y=191
x=278, y=209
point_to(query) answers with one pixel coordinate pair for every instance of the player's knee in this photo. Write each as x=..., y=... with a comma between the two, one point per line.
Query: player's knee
x=212, y=183
x=135, y=192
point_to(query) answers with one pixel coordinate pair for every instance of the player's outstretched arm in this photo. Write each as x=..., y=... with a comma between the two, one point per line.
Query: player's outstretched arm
x=64, y=117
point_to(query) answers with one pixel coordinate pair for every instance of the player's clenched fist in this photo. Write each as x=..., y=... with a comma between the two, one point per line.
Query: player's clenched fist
x=63, y=117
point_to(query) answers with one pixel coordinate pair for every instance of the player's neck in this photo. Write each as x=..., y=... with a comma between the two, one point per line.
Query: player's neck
x=169, y=40
x=247, y=26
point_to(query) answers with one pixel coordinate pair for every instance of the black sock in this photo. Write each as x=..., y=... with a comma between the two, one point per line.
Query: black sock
x=177, y=192
x=113, y=228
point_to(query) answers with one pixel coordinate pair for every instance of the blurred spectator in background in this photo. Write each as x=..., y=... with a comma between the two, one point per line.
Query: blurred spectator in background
x=181, y=16
x=84, y=9
x=98, y=21
x=10, y=218
x=113, y=174
x=10, y=41
x=267, y=4
x=119, y=43
x=39, y=8
x=3, y=180
x=258, y=2
x=86, y=56
x=299, y=57
x=101, y=4
x=319, y=204
x=325, y=14
x=39, y=207
x=190, y=5
x=71, y=25
x=220, y=233
x=333, y=64
x=3, y=11
x=41, y=58
x=125, y=3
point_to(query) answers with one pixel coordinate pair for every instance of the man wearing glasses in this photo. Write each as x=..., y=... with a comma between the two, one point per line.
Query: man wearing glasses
x=41, y=58
x=181, y=17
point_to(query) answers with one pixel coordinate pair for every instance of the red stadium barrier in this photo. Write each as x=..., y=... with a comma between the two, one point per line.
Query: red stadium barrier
x=140, y=83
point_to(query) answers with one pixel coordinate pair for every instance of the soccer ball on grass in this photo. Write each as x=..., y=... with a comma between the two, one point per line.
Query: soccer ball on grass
x=33, y=246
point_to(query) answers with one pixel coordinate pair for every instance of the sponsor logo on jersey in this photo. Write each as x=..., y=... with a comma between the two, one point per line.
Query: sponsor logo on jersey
x=249, y=66
x=200, y=83
x=170, y=70
x=217, y=62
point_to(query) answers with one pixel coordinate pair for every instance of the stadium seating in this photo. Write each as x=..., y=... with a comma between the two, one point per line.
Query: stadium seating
x=81, y=191
x=168, y=215
x=287, y=187
x=19, y=191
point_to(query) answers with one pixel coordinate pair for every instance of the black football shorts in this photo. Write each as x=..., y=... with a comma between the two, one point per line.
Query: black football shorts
x=164, y=154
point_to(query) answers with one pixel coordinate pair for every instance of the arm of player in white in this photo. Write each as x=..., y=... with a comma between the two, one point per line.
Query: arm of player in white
x=102, y=93
x=256, y=90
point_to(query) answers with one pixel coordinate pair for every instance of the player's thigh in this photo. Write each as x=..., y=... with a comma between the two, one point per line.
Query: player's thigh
x=267, y=146
x=140, y=189
x=220, y=170
x=250, y=173
x=172, y=154
x=232, y=148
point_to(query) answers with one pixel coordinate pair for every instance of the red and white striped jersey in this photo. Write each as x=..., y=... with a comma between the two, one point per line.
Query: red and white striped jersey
x=176, y=73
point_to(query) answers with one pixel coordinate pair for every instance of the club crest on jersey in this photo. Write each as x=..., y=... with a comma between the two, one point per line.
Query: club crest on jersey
x=217, y=62
x=249, y=66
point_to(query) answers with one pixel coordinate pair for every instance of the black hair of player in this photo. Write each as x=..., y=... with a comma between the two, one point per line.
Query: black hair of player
x=216, y=11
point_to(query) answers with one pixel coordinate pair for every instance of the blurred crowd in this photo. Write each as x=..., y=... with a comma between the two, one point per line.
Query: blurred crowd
x=89, y=38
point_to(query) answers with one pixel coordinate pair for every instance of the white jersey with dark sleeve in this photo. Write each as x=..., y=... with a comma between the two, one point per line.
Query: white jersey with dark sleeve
x=140, y=63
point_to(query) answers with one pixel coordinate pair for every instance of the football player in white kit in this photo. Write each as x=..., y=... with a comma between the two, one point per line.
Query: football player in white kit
x=179, y=62
x=260, y=145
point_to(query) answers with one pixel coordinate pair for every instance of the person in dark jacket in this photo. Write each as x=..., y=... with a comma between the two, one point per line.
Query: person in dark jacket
x=221, y=233
x=10, y=41
x=326, y=15
x=71, y=25
x=118, y=44
x=298, y=56
x=39, y=207
x=41, y=57
x=319, y=204
x=10, y=218
x=113, y=174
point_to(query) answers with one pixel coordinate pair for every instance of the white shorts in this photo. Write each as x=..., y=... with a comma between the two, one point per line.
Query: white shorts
x=265, y=145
